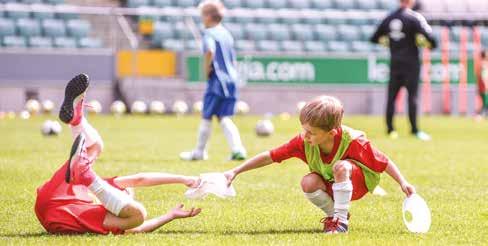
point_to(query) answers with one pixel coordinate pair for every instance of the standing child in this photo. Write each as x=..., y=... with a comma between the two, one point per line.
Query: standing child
x=343, y=164
x=220, y=96
x=66, y=203
x=482, y=77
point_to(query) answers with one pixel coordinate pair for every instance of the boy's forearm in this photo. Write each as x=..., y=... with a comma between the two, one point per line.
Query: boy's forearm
x=208, y=63
x=149, y=179
x=152, y=224
x=257, y=161
x=395, y=173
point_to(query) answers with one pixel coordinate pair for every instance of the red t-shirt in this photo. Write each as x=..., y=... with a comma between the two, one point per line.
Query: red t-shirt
x=360, y=150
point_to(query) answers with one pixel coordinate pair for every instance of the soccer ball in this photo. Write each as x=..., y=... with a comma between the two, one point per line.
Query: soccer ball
x=33, y=106
x=118, y=107
x=300, y=105
x=24, y=114
x=198, y=107
x=138, y=107
x=180, y=107
x=94, y=107
x=47, y=106
x=242, y=107
x=264, y=128
x=157, y=107
x=51, y=128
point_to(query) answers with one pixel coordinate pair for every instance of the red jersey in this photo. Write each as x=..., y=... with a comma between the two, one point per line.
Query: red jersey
x=68, y=209
x=360, y=150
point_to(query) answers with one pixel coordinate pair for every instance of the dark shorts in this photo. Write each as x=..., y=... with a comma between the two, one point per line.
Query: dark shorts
x=218, y=106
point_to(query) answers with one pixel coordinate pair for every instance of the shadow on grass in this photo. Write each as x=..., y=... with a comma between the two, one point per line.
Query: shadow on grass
x=244, y=232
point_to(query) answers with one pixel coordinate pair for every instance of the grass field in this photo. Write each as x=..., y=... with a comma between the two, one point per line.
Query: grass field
x=450, y=172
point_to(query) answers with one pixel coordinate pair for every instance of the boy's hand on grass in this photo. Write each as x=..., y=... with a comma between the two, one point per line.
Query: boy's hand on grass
x=230, y=176
x=178, y=212
x=408, y=189
x=192, y=182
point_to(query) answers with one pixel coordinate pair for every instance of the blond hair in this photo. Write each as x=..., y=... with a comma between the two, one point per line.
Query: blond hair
x=213, y=8
x=324, y=112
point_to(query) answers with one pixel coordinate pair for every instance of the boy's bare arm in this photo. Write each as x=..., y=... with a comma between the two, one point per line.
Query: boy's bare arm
x=153, y=224
x=395, y=173
x=152, y=179
x=257, y=161
x=208, y=57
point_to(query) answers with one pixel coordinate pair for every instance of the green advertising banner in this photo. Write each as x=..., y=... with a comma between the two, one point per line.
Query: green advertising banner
x=321, y=70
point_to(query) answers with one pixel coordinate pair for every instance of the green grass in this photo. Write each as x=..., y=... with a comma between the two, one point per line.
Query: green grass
x=450, y=172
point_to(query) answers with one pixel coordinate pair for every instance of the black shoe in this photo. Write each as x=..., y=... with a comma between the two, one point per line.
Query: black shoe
x=75, y=88
x=75, y=149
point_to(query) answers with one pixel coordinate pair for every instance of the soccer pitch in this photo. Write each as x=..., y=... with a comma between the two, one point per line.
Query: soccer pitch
x=450, y=172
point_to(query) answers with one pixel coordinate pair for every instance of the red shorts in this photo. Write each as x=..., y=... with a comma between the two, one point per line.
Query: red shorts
x=69, y=209
x=359, y=188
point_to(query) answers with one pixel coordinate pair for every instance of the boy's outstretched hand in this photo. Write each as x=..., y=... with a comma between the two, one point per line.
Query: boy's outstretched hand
x=178, y=212
x=192, y=181
x=408, y=189
x=230, y=175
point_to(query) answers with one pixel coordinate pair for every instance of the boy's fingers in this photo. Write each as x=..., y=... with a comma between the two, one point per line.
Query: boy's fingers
x=196, y=212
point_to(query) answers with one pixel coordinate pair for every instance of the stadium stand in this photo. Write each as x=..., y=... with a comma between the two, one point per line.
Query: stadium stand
x=39, y=26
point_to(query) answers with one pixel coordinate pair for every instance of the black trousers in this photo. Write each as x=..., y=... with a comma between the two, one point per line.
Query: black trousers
x=403, y=75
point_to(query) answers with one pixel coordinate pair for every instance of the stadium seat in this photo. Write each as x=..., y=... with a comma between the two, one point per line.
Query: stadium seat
x=236, y=29
x=182, y=31
x=255, y=31
x=367, y=4
x=265, y=16
x=88, y=42
x=278, y=32
x=78, y=28
x=277, y=4
x=322, y=4
x=64, y=42
x=40, y=42
x=292, y=46
x=325, y=32
x=253, y=4
x=7, y=27
x=30, y=1
x=54, y=2
x=66, y=15
x=367, y=31
x=162, y=30
x=484, y=35
x=42, y=11
x=14, y=41
x=12, y=11
x=299, y=4
x=230, y=4
x=53, y=28
x=335, y=18
x=161, y=3
x=28, y=27
x=302, y=32
x=346, y=4
x=348, y=32
x=245, y=45
x=390, y=5
x=315, y=46
x=361, y=46
x=288, y=18
x=243, y=16
x=186, y=3
x=356, y=18
x=137, y=3
x=268, y=45
x=192, y=45
x=312, y=19
x=337, y=46
x=173, y=44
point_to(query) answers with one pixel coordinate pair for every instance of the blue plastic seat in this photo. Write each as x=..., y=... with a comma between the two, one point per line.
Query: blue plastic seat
x=230, y=4
x=299, y=4
x=245, y=45
x=161, y=31
x=78, y=28
x=367, y=4
x=40, y=42
x=346, y=4
x=137, y=3
x=65, y=42
x=186, y=3
x=174, y=45
x=268, y=46
x=348, y=32
x=162, y=3
x=91, y=43
x=28, y=27
x=315, y=46
x=277, y=4
x=53, y=28
x=42, y=11
x=254, y=4
x=256, y=31
x=7, y=27
x=14, y=41
x=291, y=46
x=361, y=46
x=337, y=46
x=325, y=32
x=236, y=29
x=367, y=31
x=302, y=32
x=278, y=32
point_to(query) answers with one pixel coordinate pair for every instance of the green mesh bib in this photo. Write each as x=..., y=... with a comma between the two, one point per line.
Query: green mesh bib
x=315, y=163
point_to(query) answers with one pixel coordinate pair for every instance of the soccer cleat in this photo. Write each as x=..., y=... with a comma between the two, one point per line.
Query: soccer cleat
x=78, y=161
x=333, y=225
x=237, y=156
x=423, y=136
x=72, y=107
x=393, y=135
x=193, y=155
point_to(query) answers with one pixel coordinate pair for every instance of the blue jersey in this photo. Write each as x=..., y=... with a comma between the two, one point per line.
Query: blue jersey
x=223, y=77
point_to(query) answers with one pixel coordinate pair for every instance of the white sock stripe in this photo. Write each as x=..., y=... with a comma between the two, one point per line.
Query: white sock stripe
x=204, y=132
x=322, y=200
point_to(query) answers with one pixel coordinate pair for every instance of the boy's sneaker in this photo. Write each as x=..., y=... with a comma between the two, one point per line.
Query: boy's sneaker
x=194, y=155
x=423, y=136
x=333, y=225
x=78, y=161
x=393, y=135
x=71, y=110
x=237, y=156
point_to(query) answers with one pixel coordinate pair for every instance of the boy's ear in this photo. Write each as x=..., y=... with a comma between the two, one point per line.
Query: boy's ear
x=332, y=132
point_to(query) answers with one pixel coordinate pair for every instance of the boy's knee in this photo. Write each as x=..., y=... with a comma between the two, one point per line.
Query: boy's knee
x=311, y=182
x=342, y=168
x=136, y=212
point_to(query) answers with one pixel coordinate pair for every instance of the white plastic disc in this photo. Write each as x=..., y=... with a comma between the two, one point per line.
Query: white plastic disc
x=211, y=183
x=416, y=214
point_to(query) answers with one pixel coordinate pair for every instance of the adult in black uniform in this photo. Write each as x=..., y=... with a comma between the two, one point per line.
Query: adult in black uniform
x=402, y=31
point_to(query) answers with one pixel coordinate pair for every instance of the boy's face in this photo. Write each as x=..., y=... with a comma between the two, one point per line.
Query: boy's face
x=206, y=17
x=314, y=135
